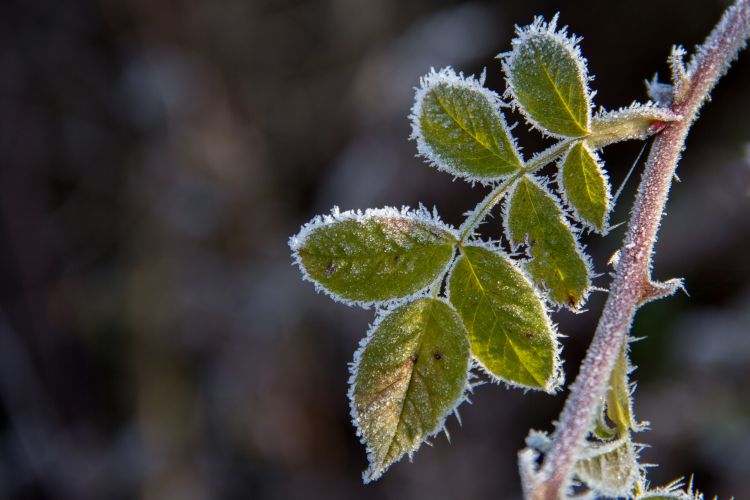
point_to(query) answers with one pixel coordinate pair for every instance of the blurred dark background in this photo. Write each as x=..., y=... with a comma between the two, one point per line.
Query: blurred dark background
x=155, y=155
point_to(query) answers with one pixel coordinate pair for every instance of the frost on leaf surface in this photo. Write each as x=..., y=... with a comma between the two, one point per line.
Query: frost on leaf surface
x=585, y=186
x=410, y=374
x=609, y=469
x=557, y=264
x=619, y=407
x=373, y=257
x=546, y=77
x=458, y=127
x=509, y=330
x=637, y=121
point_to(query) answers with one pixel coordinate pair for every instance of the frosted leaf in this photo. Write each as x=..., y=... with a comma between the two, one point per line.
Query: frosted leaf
x=610, y=469
x=676, y=490
x=585, y=187
x=546, y=78
x=409, y=375
x=533, y=217
x=459, y=129
x=509, y=329
x=619, y=402
x=375, y=256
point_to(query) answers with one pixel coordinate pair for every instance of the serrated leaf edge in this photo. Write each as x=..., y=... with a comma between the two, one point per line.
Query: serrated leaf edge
x=420, y=214
x=557, y=380
x=576, y=232
x=449, y=76
x=367, y=474
x=570, y=207
x=570, y=42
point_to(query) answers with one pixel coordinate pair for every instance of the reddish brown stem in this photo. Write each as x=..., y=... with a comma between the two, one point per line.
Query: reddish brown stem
x=632, y=283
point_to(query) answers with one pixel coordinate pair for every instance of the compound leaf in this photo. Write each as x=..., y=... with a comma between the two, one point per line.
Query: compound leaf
x=373, y=257
x=557, y=264
x=546, y=77
x=585, y=186
x=459, y=128
x=509, y=330
x=409, y=375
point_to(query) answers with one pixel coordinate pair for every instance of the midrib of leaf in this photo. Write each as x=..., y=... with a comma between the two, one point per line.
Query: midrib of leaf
x=400, y=250
x=410, y=384
x=539, y=223
x=522, y=361
x=492, y=153
x=485, y=296
x=587, y=177
x=557, y=91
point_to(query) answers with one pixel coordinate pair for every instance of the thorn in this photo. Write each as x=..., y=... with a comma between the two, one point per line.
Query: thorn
x=653, y=290
x=612, y=228
x=677, y=178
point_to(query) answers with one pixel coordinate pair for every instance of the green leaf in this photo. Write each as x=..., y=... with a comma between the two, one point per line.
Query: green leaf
x=509, y=330
x=557, y=264
x=585, y=187
x=373, y=257
x=459, y=129
x=602, y=429
x=619, y=408
x=546, y=76
x=610, y=469
x=408, y=377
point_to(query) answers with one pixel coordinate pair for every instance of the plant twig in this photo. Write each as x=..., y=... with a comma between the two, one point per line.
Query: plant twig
x=493, y=198
x=633, y=285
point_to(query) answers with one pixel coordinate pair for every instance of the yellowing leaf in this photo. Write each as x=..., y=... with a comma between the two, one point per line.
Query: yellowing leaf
x=619, y=408
x=408, y=377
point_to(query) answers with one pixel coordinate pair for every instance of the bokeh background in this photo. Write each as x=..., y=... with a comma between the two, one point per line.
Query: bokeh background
x=155, y=156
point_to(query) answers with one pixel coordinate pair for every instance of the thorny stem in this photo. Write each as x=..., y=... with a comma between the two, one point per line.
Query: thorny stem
x=493, y=198
x=632, y=285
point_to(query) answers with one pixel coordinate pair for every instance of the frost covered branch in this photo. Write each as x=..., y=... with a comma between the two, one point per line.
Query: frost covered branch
x=633, y=284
